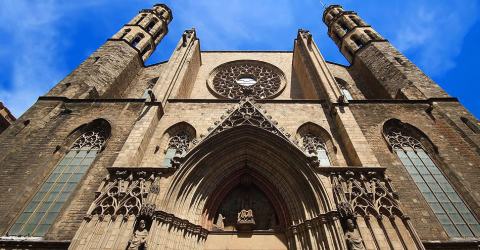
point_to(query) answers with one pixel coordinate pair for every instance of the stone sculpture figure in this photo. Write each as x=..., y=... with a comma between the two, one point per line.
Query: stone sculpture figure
x=139, y=238
x=353, y=238
x=245, y=216
x=220, y=224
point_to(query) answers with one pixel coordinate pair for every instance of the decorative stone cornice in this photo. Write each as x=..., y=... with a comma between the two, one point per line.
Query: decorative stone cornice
x=314, y=222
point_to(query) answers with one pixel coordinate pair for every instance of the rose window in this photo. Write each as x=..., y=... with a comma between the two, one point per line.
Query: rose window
x=239, y=79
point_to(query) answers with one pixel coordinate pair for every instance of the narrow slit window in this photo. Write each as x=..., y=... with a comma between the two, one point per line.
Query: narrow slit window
x=449, y=208
x=42, y=211
x=344, y=26
x=141, y=18
x=472, y=126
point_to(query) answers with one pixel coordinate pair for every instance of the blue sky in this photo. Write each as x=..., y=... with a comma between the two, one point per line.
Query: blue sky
x=41, y=41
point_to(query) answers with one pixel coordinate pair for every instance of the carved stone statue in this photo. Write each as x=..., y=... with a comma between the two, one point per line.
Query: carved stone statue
x=220, y=224
x=139, y=238
x=245, y=221
x=353, y=238
x=245, y=217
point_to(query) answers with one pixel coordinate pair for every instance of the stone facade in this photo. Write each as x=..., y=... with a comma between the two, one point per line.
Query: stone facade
x=6, y=118
x=305, y=154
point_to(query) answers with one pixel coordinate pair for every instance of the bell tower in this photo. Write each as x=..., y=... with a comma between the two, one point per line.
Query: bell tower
x=111, y=68
x=348, y=30
x=145, y=31
x=386, y=72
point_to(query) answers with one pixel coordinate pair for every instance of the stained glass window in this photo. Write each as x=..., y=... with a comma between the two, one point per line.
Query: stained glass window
x=315, y=145
x=43, y=209
x=451, y=211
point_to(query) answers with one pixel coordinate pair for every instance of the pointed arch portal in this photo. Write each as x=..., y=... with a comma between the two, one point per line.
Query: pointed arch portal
x=247, y=167
x=246, y=185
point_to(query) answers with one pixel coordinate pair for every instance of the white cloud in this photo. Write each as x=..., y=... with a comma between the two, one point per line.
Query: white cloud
x=230, y=24
x=31, y=49
x=433, y=33
x=34, y=46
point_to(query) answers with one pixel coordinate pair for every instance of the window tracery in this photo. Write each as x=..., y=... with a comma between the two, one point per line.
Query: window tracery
x=242, y=79
x=315, y=145
x=177, y=146
x=448, y=207
x=91, y=140
x=42, y=211
x=180, y=142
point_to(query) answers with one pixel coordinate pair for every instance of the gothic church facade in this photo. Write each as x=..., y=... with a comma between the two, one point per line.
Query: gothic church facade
x=242, y=149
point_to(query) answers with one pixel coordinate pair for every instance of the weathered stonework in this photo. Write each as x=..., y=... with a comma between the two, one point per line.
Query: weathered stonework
x=175, y=150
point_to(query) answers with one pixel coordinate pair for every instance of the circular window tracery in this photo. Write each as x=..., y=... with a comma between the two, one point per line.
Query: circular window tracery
x=247, y=78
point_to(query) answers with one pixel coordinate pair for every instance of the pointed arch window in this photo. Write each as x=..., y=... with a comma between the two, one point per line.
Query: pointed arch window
x=177, y=147
x=449, y=208
x=41, y=212
x=314, y=145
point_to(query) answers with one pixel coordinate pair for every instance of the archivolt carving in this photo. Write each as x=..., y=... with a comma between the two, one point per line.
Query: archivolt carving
x=364, y=193
x=266, y=80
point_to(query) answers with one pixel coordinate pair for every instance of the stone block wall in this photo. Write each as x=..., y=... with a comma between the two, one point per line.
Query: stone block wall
x=106, y=73
x=31, y=153
x=456, y=158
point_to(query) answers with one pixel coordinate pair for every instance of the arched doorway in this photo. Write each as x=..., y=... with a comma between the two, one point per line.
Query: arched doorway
x=246, y=212
x=247, y=161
